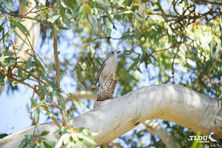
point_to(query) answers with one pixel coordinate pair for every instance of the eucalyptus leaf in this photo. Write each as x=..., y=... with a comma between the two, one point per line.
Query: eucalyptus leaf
x=92, y=22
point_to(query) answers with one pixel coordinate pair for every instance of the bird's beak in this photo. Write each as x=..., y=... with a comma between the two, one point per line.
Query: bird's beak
x=118, y=51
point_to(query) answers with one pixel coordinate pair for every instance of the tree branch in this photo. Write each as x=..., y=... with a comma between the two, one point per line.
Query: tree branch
x=55, y=46
x=207, y=2
x=117, y=116
x=82, y=95
x=47, y=24
x=155, y=128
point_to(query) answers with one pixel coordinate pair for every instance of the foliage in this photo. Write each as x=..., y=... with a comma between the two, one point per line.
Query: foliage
x=2, y=135
x=78, y=137
x=168, y=41
x=37, y=141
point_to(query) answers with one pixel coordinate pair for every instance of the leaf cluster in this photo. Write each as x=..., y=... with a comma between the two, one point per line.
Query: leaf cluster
x=37, y=141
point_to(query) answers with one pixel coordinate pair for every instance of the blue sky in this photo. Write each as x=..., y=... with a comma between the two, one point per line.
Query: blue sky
x=13, y=112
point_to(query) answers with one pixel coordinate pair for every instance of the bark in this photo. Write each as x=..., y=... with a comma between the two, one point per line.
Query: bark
x=82, y=95
x=155, y=128
x=27, y=44
x=117, y=116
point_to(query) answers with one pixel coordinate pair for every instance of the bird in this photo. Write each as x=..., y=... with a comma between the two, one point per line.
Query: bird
x=108, y=66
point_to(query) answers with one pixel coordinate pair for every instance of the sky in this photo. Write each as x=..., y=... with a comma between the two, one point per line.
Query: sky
x=13, y=112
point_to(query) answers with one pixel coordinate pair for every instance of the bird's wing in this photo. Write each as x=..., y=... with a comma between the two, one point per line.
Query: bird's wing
x=100, y=70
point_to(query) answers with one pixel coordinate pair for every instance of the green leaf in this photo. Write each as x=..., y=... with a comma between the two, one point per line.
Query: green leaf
x=63, y=4
x=25, y=2
x=109, y=29
x=39, y=64
x=41, y=91
x=2, y=135
x=70, y=4
x=36, y=115
x=119, y=2
x=6, y=60
x=53, y=18
x=61, y=130
x=33, y=102
x=49, y=144
x=27, y=141
x=21, y=27
x=87, y=140
x=92, y=22
x=53, y=87
x=100, y=6
x=40, y=145
x=81, y=129
x=1, y=27
x=2, y=77
x=19, y=71
x=62, y=104
x=28, y=64
x=44, y=133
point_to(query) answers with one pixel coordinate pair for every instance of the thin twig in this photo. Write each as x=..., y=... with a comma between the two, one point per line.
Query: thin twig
x=207, y=2
x=29, y=11
x=47, y=24
x=55, y=38
x=55, y=45
x=159, y=51
x=213, y=65
x=16, y=80
x=45, y=108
